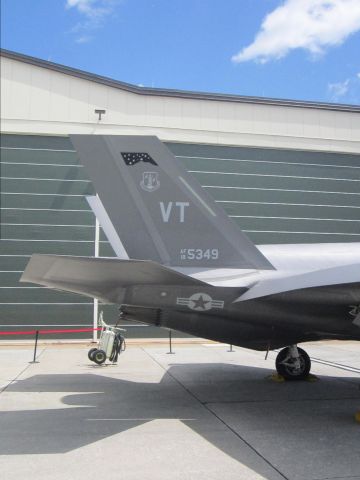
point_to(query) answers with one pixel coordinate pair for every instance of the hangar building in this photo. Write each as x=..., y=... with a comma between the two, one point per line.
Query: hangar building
x=285, y=171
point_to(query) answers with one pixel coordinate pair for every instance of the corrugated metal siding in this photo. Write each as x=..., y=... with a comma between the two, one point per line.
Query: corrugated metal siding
x=43, y=210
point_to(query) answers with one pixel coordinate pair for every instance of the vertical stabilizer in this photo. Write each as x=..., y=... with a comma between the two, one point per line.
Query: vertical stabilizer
x=157, y=209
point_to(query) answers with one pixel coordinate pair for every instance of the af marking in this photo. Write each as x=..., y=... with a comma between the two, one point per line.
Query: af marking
x=199, y=254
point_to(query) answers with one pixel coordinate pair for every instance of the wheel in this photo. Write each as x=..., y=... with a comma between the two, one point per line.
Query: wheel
x=99, y=357
x=288, y=367
x=91, y=354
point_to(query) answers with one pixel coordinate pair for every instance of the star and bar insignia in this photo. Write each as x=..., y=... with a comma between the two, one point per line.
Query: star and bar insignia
x=200, y=302
x=132, y=158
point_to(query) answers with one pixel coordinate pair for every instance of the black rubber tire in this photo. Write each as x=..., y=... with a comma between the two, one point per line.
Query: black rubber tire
x=99, y=357
x=91, y=354
x=287, y=371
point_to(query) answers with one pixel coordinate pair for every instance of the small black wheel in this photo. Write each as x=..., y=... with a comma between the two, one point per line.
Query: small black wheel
x=91, y=354
x=99, y=357
x=289, y=368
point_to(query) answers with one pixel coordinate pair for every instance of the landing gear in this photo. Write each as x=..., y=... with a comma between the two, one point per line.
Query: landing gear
x=293, y=363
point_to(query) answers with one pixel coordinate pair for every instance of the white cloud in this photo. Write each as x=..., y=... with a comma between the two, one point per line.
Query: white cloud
x=91, y=8
x=312, y=25
x=94, y=13
x=338, y=90
x=346, y=91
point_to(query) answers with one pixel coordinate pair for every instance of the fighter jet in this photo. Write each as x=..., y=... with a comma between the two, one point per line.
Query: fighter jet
x=184, y=264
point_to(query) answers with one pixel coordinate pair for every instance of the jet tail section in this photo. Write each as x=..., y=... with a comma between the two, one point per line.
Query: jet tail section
x=158, y=211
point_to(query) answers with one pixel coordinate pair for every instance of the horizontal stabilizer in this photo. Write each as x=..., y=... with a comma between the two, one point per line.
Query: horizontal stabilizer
x=102, y=278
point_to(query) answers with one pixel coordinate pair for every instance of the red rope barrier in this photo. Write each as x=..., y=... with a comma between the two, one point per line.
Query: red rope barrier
x=32, y=332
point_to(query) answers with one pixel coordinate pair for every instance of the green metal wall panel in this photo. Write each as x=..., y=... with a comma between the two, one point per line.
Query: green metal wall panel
x=281, y=196
x=26, y=158
x=39, y=200
x=46, y=217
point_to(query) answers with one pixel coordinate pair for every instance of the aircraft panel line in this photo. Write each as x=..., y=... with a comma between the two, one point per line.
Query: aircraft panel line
x=204, y=204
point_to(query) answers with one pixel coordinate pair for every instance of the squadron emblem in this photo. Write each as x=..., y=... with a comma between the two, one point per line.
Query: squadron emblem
x=150, y=181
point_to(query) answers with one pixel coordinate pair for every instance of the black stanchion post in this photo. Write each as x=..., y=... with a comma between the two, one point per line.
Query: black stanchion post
x=170, y=352
x=231, y=348
x=35, y=347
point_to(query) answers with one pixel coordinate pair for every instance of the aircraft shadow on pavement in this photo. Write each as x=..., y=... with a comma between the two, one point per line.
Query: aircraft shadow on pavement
x=315, y=419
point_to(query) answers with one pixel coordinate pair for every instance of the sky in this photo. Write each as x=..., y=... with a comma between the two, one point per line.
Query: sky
x=290, y=49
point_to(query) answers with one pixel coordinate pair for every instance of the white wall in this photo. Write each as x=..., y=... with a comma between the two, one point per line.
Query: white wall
x=40, y=100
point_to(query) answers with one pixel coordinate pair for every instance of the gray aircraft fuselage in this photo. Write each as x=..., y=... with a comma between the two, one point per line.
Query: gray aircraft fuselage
x=272, y=321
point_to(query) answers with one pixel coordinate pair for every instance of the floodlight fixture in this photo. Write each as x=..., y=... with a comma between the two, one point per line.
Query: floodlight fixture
x=100, y=112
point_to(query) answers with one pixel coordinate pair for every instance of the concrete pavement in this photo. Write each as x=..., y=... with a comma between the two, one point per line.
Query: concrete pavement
x=202, y=413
